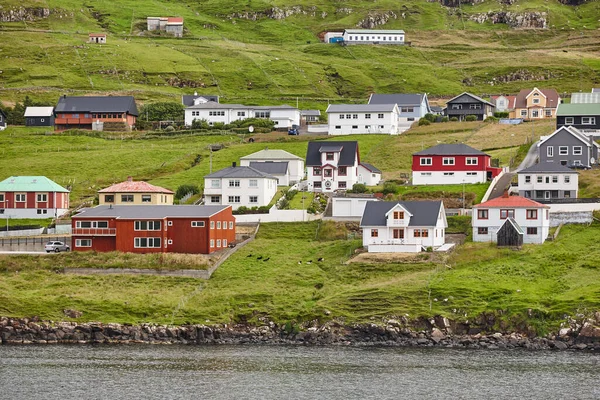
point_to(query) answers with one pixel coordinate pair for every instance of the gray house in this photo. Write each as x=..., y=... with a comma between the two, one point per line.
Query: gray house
x=413, y=106
x=468, y=104
x=2, y=120
x=570, y=147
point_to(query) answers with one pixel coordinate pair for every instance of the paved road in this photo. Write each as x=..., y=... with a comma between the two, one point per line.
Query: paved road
x=529, y=159
x=24, y=252
x=504, y=182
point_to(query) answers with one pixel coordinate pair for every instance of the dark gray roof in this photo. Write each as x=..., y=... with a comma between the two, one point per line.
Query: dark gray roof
x=513, y=222
x=370, y=167
x=477, y=98
x=98, y=104
x=347, y=155
x=454, y=149
x=341, y=108
x=272, y=168
x=424, y=213
x=547, y=167
x=148, y=212
x=312, y=113
x=188, y=100
x=436, y=108
x=239, y=172
x=402, y=99
x=330, y=149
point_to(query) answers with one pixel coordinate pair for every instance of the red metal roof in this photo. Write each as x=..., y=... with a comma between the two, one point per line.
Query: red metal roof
x=511, y=202
x=130, y=186
x=551, y=98
x=173, y=20
x=97, y=34
x=512, y=100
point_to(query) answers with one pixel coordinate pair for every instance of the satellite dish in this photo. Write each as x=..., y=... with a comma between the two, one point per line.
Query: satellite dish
x=592, y=160
x=250, y=129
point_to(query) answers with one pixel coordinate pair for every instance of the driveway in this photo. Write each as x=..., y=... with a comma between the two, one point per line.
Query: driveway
x=504, y=182
x=529, y=159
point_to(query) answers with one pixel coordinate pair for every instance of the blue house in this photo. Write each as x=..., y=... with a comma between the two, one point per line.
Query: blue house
x=412, y=106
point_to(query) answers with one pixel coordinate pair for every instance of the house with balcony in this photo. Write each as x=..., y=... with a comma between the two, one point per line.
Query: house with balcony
x=548, y=181
x=286, y=167
x=412, y=106
x=135, y=193
x=239, y=186
x=531, y=217
x=95, y=112
x=283, y=116
x=403, y=226
x=466, y=104
x=570, y=147
x=32, y=197
x=453, y=163
x=532, y=104
x=153, y=229
x=351, y=119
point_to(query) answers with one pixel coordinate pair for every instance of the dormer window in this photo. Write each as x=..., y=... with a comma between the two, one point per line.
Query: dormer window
x=329, y=156
x=398, y=214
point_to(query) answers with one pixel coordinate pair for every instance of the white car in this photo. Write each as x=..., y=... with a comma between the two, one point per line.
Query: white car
x=56, y=247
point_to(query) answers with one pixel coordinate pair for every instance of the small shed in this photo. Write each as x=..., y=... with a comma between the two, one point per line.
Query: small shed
x=97, y=38
x=510, y=234
x=39, y=116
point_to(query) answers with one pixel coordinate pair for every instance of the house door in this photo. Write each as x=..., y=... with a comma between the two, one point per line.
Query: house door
x=547, y=194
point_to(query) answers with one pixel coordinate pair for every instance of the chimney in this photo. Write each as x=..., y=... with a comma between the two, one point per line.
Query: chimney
x=505, y=194
x=234, y=164
x=130, y=179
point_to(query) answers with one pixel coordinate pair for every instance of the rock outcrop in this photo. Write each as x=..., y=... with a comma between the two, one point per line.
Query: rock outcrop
x=537, y=20
x=278, y=13
x=22, y=14
x=373, y=20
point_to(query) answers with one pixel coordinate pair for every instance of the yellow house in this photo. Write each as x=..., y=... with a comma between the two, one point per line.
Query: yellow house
x=536, y=104
x=131, y=192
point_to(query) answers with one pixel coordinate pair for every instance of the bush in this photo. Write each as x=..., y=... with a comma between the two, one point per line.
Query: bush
x=185, y=189
x=430, y=117
x=358, y=188
x=501, y=114
x=471, y=118
x=290, y=194
x=453, y=119
x=424, y=122
x=200, y=124
x=163, y=111
x=445, y=119
x=390, y=188
x=491, y=119
x=284, y=204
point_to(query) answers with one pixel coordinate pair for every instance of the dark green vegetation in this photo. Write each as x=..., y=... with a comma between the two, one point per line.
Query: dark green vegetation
x=244, y=52
x=540, y=284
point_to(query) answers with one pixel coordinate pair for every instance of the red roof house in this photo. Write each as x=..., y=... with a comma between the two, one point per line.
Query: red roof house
x=133, y=192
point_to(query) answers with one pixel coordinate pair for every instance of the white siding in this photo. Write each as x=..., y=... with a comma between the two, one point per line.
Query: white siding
x=494, y=222
x=438, y=177
x=264, y=192
x=363, y=122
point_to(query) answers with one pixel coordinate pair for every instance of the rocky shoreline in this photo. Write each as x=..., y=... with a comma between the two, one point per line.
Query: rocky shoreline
x=18, y=331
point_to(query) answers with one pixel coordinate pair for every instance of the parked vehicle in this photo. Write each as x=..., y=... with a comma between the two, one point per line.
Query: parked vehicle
x=293, y=130
x=56, y=247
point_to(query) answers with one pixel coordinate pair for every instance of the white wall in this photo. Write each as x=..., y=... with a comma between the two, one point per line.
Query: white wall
x=493, y=223
x=31, y=213
x=349, y=207
x=386, y=125
x=573, y=185
x=367, y=177
x=438, y=178
x=370, y=38
x=351, y=177
x=386, y=237
x=295, y=167
x=266, y=189
x=285, y=118
x=276, y=215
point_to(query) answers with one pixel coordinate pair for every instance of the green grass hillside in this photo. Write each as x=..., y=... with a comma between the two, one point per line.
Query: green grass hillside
x=241, y=52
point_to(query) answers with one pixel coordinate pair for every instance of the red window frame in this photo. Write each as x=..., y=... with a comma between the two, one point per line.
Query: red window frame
x=316, y=171
x=534, y=214
x=505, y=213
x=483, y=214
x=329, y=156
x=374, y=232
x=342, y=171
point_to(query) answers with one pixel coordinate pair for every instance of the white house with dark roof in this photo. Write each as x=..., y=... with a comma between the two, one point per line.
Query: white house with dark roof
x=368, y=174
x=295, y=164
x=239, y=186
x=351, y=119
x=310, y=115
x=412, y=106
x=332, y=166
x=278, y=169
x=193, y=99
x=283, y=116
x=548, y=181
x=403, y=226
x=373, y=36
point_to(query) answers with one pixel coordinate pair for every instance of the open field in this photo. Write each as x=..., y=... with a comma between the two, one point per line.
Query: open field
x=545, y=281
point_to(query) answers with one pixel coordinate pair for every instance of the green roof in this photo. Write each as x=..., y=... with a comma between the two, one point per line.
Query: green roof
x=567, y=109
x=30, y=184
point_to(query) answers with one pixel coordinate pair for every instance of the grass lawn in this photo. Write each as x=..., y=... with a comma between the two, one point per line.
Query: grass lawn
x=547, y=281
x=24, y=222
x=297, y=202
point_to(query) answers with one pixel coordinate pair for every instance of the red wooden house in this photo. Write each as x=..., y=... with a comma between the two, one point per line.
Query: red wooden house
x=154, y=229
x=80, y=112
x=452, y=164
x=32, y=197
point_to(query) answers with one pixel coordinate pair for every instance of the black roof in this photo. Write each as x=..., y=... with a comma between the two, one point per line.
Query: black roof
x=370, y=167
x=402, y=99
x=454, y=149
x=348, y=152
x=271, y=168
x=547, y=167
x=239, y=172
x=424, y=213
x=98, y=104
x=149, y=212
x=188, y=100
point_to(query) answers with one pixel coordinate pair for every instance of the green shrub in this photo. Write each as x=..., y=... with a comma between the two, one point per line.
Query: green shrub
x=424, y=122
x=200, y=124
x=284, y=204
x=163, y=111
x=491, y=119
x=185, y=189
x=501, y=114
x=445, y=119
x=430, y=117
x=358, y=188
x=453, y=119
x=471, y=118
x=290, y=194
x=390, y=188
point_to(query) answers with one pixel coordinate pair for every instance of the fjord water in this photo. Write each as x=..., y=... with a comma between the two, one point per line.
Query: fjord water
x=293, y=372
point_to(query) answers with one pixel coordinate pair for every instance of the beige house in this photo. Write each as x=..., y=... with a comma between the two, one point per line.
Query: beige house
x=133, y=192
x=536, y=103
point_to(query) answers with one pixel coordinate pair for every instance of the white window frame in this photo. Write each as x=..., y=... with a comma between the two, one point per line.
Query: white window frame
x=150, y=225
x=42, y=197
x=577, y=150
x=234, y=199
x=426, y=161
x=588, y=120
x=250, y=198
x=563, y=150
x=234, y=183
x=197, y=224
x=150, y=242
x=215, y=183
x=550, y=151
x=80, y=243
x=472, y=160
x=230, y=224
x=253, y=183
x=527, y=178
x=21, y=197
x=448, y=161
x=569, y=120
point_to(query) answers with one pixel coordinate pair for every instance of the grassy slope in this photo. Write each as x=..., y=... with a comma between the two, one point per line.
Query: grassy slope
x=546, y=281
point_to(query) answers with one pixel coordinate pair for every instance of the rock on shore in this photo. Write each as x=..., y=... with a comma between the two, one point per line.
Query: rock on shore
x=392, y=333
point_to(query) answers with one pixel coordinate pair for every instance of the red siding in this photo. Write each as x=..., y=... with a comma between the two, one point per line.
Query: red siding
x=62, y=200
x=460, y=163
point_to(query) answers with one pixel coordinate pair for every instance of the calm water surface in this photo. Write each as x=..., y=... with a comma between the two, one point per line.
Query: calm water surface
x=289, y=372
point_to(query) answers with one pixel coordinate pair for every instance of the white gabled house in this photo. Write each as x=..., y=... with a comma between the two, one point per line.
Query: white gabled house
x=239, y=186
x=403, y=226
x=548, y=181
x=295, y=164
x=368, y=174
x=532, y=217
x=283, y=116
x=350, y=119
